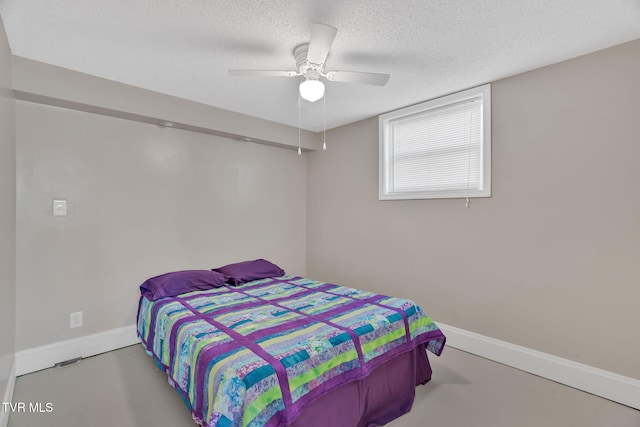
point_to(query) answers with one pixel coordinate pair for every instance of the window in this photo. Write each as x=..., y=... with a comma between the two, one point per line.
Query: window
x=438, y=149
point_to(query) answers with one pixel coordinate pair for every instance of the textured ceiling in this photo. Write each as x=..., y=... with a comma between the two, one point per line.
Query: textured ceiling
x=430, y=47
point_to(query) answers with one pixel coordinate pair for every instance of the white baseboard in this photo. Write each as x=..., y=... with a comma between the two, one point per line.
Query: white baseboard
x=36, y=359
x=618, y=388
x=8, y=394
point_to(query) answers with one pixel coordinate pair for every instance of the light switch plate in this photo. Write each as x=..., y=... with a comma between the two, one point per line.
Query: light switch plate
x=59, y=208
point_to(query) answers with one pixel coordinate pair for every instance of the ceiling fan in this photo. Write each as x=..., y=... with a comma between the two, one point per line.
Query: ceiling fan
x=310, y=61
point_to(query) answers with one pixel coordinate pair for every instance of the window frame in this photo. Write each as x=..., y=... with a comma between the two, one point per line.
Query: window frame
x=384, y=146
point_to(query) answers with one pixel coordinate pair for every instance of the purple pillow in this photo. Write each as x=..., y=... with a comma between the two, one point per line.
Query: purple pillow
x=181, y=282
x=243, y=272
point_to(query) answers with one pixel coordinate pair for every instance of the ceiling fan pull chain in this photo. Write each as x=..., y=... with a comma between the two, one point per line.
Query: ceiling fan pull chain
x=299, y=149
x=324, y=122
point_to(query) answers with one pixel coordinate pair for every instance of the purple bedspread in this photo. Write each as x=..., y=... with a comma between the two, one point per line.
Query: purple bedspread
x=259, y=354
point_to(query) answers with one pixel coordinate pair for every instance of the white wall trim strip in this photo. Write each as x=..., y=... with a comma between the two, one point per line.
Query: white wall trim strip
x=8, y=394
x=36, y=359
x=612, y=386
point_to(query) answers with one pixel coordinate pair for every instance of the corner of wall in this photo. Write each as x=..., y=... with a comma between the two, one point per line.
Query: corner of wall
x=7, y=220
x=8, y=394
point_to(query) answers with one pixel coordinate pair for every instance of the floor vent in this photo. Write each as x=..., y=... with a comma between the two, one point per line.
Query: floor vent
x=68, y=362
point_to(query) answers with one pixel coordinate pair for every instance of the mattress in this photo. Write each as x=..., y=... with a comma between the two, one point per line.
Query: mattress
x=260, y=353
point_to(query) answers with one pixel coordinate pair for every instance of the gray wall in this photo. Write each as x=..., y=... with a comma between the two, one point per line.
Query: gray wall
x=7, y=213
x=548, y=262
x=142, y=201
x=551, y=260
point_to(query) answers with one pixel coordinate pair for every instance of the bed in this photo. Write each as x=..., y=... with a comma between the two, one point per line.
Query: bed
x=290, y=351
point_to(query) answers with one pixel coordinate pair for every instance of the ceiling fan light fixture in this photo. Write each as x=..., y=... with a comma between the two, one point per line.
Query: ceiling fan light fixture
x=311, y=90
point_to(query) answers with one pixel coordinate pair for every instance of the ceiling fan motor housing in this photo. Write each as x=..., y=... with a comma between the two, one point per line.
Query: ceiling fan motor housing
x=305, y=68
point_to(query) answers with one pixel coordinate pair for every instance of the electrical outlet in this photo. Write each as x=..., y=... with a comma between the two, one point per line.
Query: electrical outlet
x=75, y=319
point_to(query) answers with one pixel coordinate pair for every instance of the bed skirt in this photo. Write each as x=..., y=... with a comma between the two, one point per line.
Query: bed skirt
x=384, y=395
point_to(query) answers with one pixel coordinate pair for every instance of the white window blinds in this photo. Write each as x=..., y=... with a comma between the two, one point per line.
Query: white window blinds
x=436, y=149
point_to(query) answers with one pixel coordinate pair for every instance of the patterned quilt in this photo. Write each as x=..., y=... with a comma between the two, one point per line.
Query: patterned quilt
x=256, y=354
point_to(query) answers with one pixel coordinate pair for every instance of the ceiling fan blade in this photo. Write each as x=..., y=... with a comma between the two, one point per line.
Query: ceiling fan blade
x=321, y=39
x=358, y=77
x=263, y=73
